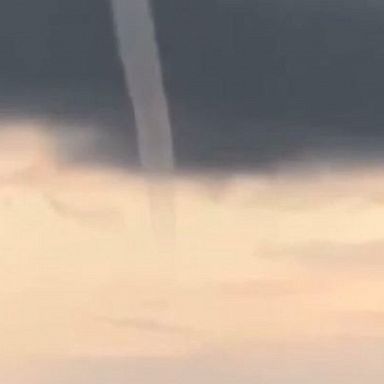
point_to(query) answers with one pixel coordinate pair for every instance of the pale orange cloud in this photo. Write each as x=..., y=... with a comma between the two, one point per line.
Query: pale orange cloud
x=278, y=260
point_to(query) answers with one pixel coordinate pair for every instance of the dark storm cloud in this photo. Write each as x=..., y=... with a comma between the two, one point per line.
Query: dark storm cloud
x=258, y=81
x=250, y=83
x=59, y=61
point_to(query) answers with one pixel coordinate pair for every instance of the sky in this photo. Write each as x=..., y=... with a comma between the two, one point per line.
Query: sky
x=250, y=83
x=259, y=261
x=275, y=278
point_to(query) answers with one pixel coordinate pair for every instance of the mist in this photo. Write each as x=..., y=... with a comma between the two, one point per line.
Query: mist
x=294, y=258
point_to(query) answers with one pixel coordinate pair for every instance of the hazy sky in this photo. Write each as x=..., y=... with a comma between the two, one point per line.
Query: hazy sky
x=271, y=277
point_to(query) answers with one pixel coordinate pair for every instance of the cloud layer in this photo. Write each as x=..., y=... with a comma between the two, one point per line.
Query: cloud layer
x=258, y=83
x=282, y=269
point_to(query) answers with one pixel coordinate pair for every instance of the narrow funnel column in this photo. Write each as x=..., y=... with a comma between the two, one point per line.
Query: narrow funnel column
x=140, y=57
x=139, y=54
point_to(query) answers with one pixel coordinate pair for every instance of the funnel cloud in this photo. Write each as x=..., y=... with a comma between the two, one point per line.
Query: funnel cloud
x=140, y=58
